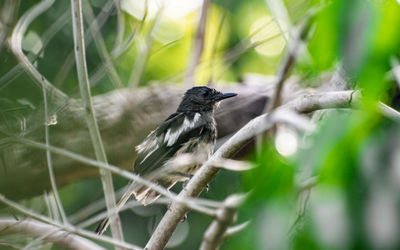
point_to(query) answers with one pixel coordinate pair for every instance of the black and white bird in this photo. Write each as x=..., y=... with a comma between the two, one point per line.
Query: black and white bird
x=190, y=130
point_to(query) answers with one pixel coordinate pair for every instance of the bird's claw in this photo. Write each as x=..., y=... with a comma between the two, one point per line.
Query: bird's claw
x=184, y=218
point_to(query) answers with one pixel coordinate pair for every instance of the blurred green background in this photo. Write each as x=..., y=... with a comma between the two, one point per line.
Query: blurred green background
x=354, y=155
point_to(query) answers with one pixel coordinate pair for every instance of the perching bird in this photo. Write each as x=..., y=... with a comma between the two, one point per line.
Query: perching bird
x=191, y=129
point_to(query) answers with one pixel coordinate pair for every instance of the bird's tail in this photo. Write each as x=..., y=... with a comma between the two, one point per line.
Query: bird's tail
x=143, y=194
x=146, y=195
x=101, y=228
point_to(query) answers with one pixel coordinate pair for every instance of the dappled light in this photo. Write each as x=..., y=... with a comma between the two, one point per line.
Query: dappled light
x=199, y=124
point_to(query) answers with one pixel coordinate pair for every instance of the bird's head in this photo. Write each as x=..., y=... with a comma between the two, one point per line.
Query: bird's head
x=202, y=99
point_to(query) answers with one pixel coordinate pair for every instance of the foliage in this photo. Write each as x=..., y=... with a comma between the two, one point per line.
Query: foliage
x=339, y=190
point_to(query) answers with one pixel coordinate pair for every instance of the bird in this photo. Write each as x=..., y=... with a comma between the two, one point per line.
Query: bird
x=189, y=130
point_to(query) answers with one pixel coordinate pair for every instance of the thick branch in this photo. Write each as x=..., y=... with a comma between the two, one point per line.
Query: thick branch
x=37, y=229
x=207, y=172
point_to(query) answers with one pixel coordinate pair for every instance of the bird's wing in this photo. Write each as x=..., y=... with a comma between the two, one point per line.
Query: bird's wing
x=161, y=144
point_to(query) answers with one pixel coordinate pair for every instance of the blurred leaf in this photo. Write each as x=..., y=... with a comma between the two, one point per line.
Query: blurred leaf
x=323, y=46
x=271, y=177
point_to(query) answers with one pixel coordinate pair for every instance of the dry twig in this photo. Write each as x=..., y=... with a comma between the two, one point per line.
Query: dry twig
x=144, y=48
x=101, y=19
x=101, y=47
x=66, y=228
x=95, y=136
x=190, y=202
x=16, y=43
x=207, y=172
x=47, y=232
x=7, y=15
x=214, y=235
x=198, y=46
x=50, y=162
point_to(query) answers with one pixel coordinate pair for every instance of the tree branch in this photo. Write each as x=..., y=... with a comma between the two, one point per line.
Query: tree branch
x=125, y=117
x=144, y=48
x=214, y=235
x=101, y=19
x=190, y=202
x=67, y=228
x=94, y=132
x=50, y=162
x=34, y=228
x=286, y=66
x=16, y=43
x=7, y=15
x=101, y=46
x=198, y=46
x=207, y=172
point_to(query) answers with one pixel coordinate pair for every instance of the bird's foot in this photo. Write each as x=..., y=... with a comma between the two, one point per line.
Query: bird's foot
x=184, y=218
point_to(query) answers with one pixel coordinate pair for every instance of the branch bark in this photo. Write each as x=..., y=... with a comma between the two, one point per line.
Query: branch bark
x=37, y=229
x=207, y=172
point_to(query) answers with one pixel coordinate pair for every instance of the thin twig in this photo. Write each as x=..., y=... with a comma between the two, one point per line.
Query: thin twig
x=214, y=235
x=235, y=229
x=49, y=160
x=17, y=70
x=198, y=46
x=115, y=54
x=92, y=208
x=50, y=233
x=67, y=228
x=389, y=111
x=50, y=210
x=101, y=47
x=16, y=43
x=215, y=46
x=120, y=25
x=101, y=19
x=396, y=70
x=229, y=58
x=190, y=202
x=106, y=178
x=286, y=66
x=279, y=12
x=144, y=51
x=131, y=204
x=7, y=14
x=206, y=173
x=38, y=240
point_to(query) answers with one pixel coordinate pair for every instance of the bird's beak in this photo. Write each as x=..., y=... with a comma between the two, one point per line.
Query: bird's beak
x=222, y=96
